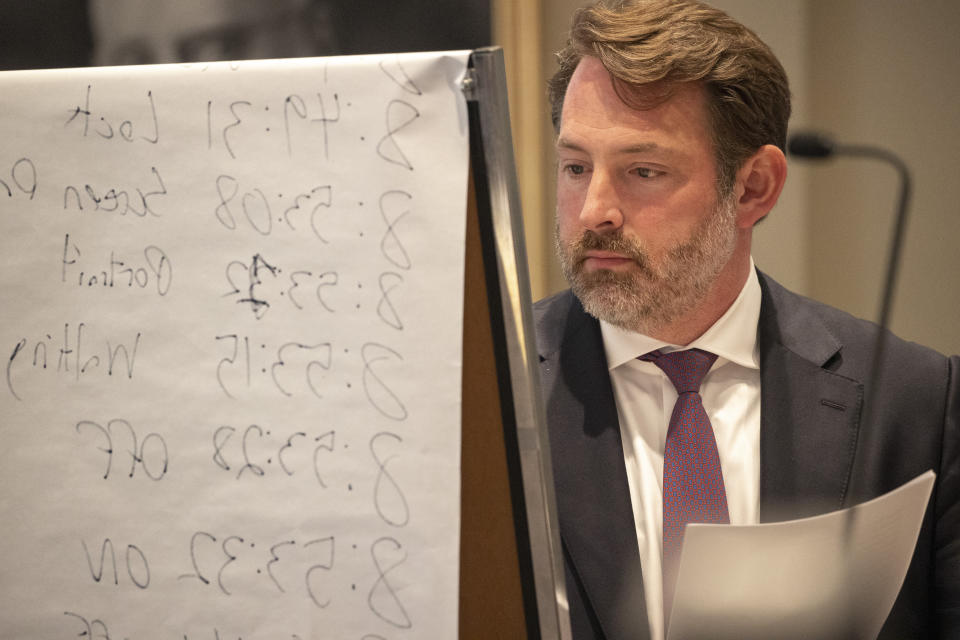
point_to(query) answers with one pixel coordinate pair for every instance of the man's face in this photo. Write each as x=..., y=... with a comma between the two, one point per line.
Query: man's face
x=641, y=233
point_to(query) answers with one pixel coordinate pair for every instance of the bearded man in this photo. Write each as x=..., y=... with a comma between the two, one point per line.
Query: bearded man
x=681, y=383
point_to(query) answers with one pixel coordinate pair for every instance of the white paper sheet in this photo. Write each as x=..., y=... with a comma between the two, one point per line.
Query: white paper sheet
x=231, y=336
x=831, y=576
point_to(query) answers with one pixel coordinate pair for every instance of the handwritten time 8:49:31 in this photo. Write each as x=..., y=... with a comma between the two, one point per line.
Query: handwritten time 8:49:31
x=229, y=122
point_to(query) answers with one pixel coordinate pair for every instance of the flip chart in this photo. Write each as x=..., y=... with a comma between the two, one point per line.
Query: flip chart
x=231, y=335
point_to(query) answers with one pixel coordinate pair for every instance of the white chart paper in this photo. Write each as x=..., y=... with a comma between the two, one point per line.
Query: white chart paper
x=231, y=335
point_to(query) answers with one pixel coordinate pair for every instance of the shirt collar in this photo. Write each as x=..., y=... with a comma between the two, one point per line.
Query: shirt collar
x=733, y=337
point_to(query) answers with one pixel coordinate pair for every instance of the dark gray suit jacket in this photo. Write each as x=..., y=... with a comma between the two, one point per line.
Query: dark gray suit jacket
x=816, y=455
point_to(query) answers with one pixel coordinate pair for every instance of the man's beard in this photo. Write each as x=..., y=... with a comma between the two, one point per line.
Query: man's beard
x=651, y=296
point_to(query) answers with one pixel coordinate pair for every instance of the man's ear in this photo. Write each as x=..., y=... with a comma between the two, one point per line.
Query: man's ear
x=759, y=183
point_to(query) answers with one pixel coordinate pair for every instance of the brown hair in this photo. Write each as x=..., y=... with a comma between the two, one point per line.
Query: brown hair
x=657, y=44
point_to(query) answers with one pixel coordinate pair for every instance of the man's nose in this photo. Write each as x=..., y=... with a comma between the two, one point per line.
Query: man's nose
x=601, y=212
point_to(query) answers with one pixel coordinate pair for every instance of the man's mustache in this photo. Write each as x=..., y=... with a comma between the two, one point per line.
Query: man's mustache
x=613, y=242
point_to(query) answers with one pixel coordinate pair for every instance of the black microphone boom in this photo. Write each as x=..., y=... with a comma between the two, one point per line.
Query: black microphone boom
x=818, y=145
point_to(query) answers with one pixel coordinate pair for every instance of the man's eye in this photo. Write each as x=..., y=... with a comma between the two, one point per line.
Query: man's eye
x=646, y=172
x=574, y=169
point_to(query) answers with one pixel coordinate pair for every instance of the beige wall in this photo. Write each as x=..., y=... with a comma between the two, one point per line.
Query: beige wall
x=888, y=72
x=880, y=71
x=781, y=243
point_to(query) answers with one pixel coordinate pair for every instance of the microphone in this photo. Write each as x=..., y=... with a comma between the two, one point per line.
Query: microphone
x=807, y=144
x=815, y=145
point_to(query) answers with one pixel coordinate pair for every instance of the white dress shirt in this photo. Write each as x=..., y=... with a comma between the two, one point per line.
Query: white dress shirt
x=645, y=399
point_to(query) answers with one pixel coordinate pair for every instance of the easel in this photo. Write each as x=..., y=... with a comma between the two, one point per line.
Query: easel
x=511, y=572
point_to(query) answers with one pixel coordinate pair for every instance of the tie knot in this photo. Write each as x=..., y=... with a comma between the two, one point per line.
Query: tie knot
x=685, y=369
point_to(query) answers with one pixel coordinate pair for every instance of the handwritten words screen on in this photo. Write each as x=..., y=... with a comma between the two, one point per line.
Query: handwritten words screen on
x=231, y=337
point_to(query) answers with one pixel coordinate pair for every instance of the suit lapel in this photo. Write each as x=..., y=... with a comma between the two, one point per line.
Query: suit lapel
x=809, y=415
x=593, y=499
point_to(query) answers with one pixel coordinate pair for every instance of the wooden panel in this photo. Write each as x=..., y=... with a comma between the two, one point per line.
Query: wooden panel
x=491, y=599
x=518, y=28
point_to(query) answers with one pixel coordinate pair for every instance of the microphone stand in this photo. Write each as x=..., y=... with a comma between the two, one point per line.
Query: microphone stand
x=807, y=145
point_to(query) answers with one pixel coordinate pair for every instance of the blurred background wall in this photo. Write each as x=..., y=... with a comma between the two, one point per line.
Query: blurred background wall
x=44, y=34
x=70, y=33
x=875, y=71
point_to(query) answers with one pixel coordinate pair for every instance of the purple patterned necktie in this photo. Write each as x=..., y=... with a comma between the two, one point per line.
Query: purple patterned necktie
x=693, y=488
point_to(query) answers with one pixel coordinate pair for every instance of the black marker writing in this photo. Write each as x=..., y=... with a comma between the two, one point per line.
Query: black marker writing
x=327, y=565
x=71, y=351
x=281, y=563
x=257, y=209
x=399, y=115
x=380, y=396
x=295, y=366
x=236, y=123
x=223, y=213
x=288, y=446
x=258, y=267
x=24, y=183
x=325, y=443
x=199, y=535
x=115, y=200
x=232, y=360
x=389, y=501
x=314, y=368
x=118, y=271
x=394, y=205
x=385, y=308
x=231, y=558
x=103, y=128
x=317, y=202
x=257, y=453
x=138, y=569
x=150, y=454
x=220, y=438
x=296, y=279
x=297, y=105
x=255, y=469
x=90, y=627
x=327, y=279
x=274, y=559
x=395, y=71
x=382, y=599
x=13, y=356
